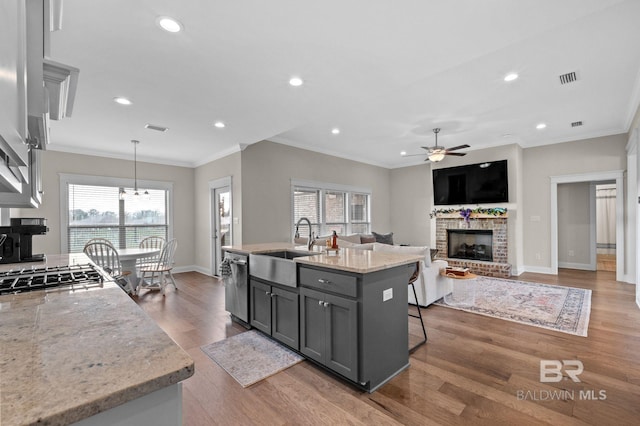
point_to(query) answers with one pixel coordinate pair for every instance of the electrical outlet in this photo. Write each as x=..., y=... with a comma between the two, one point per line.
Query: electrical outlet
x=387, y=294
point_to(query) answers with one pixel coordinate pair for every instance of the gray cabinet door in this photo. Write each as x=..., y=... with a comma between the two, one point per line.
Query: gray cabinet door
x=285, y=317
x=342, y=336
x=260, y=306
x=312, y=324
x=329, y=331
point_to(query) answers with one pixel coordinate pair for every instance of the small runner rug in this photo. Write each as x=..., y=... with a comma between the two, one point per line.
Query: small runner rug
x=554, y=307
x=250, y=357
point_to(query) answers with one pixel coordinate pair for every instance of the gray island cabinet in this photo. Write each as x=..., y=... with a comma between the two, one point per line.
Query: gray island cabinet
x=274, y=311
x=346, y=312
x=355, y=324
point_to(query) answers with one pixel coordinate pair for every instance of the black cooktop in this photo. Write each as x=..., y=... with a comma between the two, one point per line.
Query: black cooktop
x=69, y=277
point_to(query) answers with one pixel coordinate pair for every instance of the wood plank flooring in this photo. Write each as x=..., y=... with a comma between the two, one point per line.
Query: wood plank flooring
x=473, y=370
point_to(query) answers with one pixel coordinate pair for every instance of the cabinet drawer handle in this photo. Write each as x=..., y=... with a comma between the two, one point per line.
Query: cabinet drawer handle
x=320, y=302
x=323, y=281
x=325, y=304
x=267, y=293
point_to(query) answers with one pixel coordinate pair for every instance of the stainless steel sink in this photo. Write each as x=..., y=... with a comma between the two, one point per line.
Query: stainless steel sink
x=276, y=267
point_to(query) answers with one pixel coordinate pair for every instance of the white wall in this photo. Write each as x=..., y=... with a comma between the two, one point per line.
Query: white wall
x=539, y=164
x=60, y=162
x=227, y=166
x=267, y=171
x=411, y=202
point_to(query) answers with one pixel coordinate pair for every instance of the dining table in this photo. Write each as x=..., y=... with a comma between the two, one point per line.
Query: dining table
x=128, y=259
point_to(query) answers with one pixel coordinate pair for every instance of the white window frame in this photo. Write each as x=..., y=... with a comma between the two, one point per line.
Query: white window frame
x=323, y=187
x=66, y=179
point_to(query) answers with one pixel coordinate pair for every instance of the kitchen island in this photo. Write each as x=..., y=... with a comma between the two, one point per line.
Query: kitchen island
x=345, y=311
x=88, y=355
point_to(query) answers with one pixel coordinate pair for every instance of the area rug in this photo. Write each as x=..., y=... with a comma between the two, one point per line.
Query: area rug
x=250, y=357
x=553, y=307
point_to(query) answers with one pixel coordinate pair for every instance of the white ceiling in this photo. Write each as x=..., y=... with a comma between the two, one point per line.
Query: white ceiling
x=384, y=72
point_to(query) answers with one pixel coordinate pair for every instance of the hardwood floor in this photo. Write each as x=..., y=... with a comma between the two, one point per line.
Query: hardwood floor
x=473, y=369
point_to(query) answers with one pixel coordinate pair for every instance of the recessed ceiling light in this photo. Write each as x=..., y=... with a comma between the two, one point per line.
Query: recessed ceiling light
x=403, y=153
x=219, y=124
x=295, y=81
x=541, y=126
x=511, y=76
x=335, y=131
x=122, y=101
x=169, y=24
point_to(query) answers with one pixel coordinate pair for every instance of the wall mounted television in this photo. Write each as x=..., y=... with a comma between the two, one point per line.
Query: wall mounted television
x=481, y=183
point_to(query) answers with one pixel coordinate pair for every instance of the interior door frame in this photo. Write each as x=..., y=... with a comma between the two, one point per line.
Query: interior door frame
x=614, y=175
x=226, y=181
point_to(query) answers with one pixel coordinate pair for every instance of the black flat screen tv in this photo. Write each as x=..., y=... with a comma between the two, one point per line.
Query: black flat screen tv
x=471, y=184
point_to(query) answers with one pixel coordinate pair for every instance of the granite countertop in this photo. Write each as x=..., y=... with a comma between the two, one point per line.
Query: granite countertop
x=67, y=355
x=359, y=261
x=270, y=247
x=347, y=259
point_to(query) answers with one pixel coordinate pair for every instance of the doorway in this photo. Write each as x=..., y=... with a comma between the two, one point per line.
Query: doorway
x=221, y=219
x=611, y=176
x=605, y=197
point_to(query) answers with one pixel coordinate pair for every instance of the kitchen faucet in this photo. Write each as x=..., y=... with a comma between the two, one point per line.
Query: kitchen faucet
x=311, y=240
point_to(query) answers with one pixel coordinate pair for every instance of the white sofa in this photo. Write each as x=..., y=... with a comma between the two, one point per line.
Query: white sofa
x=430, y=285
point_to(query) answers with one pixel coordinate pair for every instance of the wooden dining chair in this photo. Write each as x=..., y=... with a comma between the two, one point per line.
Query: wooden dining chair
x=152, y=242
x=106, y=256
x=158, y=276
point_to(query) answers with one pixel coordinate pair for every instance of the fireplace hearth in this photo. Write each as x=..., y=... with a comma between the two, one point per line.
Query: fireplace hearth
x=471, y=244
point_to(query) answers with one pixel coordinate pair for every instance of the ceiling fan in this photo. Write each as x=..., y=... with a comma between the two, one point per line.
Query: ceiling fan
x=436, y=153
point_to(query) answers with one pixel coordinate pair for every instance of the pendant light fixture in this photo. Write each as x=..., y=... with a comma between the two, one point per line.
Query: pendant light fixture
x=136, y=194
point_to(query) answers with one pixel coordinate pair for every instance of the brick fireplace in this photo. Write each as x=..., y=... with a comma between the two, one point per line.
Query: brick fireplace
x=465, y=245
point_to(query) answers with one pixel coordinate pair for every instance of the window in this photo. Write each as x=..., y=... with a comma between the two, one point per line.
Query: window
x=92, y=208
x=330, y=207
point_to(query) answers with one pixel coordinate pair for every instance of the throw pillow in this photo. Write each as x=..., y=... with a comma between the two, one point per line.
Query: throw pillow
x=384, y=238
x=366, y=239
x=354, y=238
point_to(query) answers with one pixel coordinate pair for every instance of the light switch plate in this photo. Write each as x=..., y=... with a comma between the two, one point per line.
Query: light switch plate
x=387, y=294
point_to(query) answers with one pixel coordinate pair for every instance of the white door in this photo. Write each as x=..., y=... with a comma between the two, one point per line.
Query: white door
x=221, y=225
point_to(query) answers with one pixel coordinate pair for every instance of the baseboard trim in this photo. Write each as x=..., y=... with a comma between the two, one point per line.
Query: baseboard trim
x=580, y=266
x=192, y=268
x=539, y=270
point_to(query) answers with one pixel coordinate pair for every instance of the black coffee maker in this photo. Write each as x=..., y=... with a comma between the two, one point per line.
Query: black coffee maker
x=17, y=246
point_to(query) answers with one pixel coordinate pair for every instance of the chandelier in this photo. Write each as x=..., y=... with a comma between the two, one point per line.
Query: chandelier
x=136, y=194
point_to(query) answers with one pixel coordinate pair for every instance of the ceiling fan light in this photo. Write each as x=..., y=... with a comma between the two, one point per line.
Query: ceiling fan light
x=436, y=156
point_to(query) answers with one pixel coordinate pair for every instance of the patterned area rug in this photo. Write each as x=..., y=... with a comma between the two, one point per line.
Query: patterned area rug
x=250, y=357
x=554, y=307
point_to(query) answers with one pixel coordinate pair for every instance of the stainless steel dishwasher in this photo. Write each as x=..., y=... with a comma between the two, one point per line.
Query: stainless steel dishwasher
x=236, y=287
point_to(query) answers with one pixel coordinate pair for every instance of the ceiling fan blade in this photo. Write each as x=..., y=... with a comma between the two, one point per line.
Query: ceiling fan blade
x=458, y=154
x=414, y=155
x=458, y=147
x=428, y=148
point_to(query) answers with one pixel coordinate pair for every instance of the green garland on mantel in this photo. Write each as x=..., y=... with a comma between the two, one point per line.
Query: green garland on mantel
x=465, y=213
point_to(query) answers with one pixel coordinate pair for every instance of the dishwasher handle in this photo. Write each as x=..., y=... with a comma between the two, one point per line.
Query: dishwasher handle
x=240, y=262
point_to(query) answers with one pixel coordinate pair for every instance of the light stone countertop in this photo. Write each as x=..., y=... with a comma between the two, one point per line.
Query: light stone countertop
x=269, y=247
x=359, y=261
x=347, y=259
x=65, y=356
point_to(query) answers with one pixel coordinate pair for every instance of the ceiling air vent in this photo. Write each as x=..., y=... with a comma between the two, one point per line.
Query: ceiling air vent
x=154, y=127
x=576, y=124
x=569, y=77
